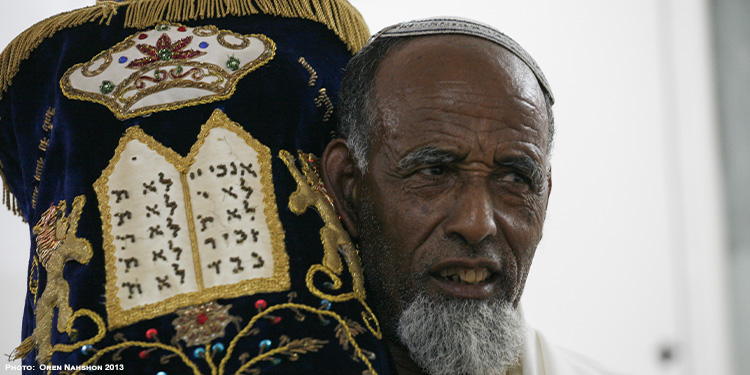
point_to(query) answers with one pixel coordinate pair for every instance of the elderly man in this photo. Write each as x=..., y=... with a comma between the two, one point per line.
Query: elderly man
x=443, y=180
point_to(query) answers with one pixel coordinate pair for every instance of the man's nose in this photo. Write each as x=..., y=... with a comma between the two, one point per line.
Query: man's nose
x=473, y=214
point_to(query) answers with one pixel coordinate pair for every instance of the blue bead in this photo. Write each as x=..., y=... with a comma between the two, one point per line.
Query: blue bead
x=325, y=304
x=203, y=45
x=86, y=349
x=276, y=361
x=218, y=347
x=161, y=373
x=123, y=59
x=265, y=344
x=198, y=353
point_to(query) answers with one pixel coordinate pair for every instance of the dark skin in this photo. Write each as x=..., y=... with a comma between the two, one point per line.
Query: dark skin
x=458, y=178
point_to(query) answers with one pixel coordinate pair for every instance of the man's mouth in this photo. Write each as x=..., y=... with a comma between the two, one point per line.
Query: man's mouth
x=465, y=275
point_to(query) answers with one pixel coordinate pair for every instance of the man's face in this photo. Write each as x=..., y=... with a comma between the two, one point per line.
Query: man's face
x=453, y=201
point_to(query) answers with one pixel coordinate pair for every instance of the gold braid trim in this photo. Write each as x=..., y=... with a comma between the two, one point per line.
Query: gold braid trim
x=338, y=15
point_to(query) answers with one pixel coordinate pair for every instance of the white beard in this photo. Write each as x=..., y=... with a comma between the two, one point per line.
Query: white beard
x=451, y=337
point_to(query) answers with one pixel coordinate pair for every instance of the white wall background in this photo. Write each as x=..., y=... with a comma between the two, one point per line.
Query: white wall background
x=633, y=256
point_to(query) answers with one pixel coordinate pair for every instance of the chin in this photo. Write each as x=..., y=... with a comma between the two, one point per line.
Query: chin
x=446, y=335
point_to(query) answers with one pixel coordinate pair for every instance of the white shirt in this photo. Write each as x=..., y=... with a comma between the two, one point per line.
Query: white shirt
x=543, y=358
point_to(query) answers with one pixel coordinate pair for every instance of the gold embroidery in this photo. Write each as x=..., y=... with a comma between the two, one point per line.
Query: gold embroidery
x=313, y=74
x=335, y=239
x=345, y=331
x=222, y=39
x=339, y=16
x=34, y=277
x=210, y=82
x=47, y=127
x=57, y=293
x=207, y=30
x=279, y=279
x=323, y=101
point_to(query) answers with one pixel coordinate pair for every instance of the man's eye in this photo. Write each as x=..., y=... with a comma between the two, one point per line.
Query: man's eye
x=514, y=178
x=433, y=171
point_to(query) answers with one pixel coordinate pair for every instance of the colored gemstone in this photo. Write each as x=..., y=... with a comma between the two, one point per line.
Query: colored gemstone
x=276, y=320
x=203, y=45
x=86, y=349
x=201, y=318
x=162, y=27
x=142, y=36
x=123, y=59
x=261, y=304
x=265, y=344
x=233, y=63
x=218, y=347
x=144, y=354
x=165, y=54
x=198, y=353
x=161, y=373
x=106, y=87
x=152, y=333
x=179, y=69
x=181, y=29
x=276, y=361
x=325, y=304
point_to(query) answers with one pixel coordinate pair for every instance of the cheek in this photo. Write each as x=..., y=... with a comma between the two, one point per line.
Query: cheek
x=522, y=224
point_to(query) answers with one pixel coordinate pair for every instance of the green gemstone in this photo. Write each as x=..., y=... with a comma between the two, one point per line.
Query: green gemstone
x=162, y=27
x=165, y=54
x=106, y=87
x=179, y=69
x=233, y=63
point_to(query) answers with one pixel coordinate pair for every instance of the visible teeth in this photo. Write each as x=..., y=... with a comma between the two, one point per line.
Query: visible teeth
x=465, y=275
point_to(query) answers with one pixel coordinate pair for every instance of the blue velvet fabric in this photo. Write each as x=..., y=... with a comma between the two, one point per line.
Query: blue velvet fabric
x=274, y=104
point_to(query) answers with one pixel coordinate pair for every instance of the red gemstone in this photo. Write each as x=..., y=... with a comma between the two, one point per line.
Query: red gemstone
x=261, y=304
x=202, y=318
x=144, y=354
x=181, y=28
x=276, y=320
x=151, y=333
x=142, y=36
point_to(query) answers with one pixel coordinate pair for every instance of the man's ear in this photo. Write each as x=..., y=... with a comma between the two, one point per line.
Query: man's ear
x=342, y=179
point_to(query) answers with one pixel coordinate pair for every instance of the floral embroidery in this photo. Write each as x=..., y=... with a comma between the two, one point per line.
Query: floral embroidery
x=167, y=68
x=164, y=50
x=199, y=325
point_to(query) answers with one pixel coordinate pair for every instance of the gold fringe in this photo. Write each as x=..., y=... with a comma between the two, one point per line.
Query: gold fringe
x=22, y=350
x=338, y=15
x=9, y=201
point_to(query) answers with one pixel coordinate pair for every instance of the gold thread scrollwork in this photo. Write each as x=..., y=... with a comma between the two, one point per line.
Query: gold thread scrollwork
x=311, y=193
x=85, y=69
x=207, y=30
x=244, y=41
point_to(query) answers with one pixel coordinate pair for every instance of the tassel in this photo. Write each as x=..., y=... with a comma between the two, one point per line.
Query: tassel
x=22, y=350
x=21, y=47
x=338, y=15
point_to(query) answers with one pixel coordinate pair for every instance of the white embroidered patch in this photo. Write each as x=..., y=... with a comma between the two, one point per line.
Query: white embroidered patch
x=182, y=231
x=170, y=67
